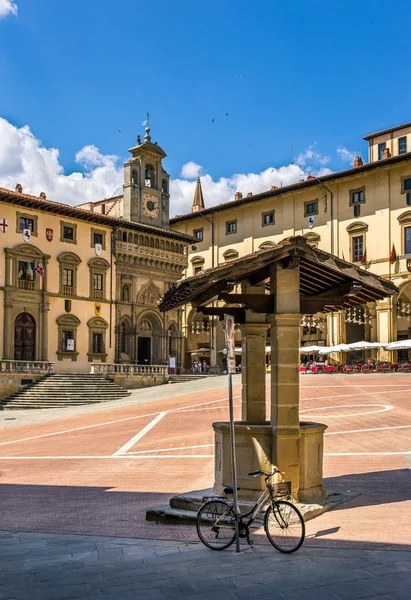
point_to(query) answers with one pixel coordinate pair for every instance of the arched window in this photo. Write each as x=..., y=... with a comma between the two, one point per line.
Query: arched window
x=134, y=176
x=124, y=236
x=149, y=176
x=164, y=186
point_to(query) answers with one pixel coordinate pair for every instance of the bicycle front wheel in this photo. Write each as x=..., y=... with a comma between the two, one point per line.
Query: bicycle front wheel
x=284, y=526
x=216, y=524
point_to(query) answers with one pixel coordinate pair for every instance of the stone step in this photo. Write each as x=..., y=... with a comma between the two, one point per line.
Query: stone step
x=61, y=390
x=183, y=508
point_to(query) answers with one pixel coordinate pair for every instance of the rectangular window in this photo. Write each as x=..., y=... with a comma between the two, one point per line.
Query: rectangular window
x=98, y=282
x=197, y=270
x=310, y=208
x=27, y=271
x=68, y=233
x=268, y=218
x=98, y=347
x=407, y=185
x=357, y=197
x=381, y=148
x=198, y=234
x=357, y=242
x=407, y=240
x=231, y=227
x=98, y=238
x=26, y=223
x=402, y=145
x=68, y=277
x=68, y=341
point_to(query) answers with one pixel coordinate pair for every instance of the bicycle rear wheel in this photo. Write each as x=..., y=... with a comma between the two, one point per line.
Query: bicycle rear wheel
x=215, y=532
x=284, y=526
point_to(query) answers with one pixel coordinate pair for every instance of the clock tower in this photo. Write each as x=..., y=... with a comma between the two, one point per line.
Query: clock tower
x=146, y=184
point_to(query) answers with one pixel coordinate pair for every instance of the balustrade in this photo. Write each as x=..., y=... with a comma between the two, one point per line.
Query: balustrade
x=26, y=366
x=127, y=369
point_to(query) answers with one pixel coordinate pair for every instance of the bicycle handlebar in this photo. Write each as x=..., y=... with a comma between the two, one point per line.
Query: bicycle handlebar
x=259, y=472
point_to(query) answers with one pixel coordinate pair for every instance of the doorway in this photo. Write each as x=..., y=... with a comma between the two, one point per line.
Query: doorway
x=24, y=337
x=144, y=351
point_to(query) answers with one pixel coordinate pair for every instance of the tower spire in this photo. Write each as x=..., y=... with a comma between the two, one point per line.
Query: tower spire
x=198, y=200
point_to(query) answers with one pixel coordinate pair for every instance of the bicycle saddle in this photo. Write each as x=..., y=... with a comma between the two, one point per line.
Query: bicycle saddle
x=229, y=489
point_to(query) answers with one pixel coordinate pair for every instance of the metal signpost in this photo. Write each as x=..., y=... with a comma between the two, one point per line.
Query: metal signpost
x=229, y=340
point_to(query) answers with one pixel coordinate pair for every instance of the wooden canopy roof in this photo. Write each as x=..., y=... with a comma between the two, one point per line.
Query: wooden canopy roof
x=326, y=282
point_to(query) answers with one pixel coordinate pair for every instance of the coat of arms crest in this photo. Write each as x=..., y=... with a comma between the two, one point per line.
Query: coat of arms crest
x=49, y=234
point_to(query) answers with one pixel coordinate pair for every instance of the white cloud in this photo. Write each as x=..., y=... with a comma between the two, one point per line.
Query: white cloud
x=24, y=160
x=311, y=156
x=346, y=155
x=7, y=7
x=224, y=189
x=190, y=170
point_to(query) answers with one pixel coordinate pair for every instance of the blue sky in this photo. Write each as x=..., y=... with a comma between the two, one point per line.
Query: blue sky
x=315, y=74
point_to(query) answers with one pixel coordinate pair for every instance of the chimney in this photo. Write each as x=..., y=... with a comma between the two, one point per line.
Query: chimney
x=310, y=177
x=19, y=189
x=386, y=153
x=358, y=162
x=238, y=196
x=249, y=194
x=274, y=187
x=43, y=195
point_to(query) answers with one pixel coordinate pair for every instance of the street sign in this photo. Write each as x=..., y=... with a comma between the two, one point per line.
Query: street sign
x=229, y=341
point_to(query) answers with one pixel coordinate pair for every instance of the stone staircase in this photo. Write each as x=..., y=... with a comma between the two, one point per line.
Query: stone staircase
x=65, y=389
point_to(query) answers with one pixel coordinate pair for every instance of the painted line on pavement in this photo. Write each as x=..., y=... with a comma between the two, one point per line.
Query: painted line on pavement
x=110, y=457
x=353, y=395
x=365, y=430
x=172, y=449
x=44, y=435
x=366, y=453
x=140, y=434
x=386, y=407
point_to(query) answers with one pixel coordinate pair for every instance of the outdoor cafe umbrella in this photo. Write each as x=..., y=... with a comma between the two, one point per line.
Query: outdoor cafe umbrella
x=310, y=349
x=399, y=345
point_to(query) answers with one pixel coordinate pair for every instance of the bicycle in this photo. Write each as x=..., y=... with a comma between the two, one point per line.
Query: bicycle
x=283, y=523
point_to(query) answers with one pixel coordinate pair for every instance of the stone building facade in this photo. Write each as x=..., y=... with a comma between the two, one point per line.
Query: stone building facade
x=362, y=215
x=81, y=284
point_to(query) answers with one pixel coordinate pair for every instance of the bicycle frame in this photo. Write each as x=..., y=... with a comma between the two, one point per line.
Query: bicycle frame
x=265, y=496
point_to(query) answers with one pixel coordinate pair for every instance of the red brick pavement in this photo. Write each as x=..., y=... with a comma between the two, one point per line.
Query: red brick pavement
x=101, y=495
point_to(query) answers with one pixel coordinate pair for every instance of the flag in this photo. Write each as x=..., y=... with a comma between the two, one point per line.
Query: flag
x=393, y=255
x=364, y=257
x=408, y=264
x=40, y=269
x=343, y=257
x=145, y=123
x=31, y=271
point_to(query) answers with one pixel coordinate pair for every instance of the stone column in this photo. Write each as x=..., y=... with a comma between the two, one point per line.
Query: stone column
x=285, y=384
x=8, y=341
x=373, y=327
x=253, y=372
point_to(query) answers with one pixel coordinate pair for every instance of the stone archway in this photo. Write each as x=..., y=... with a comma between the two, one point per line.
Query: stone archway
x=24, y=337
x=150, y=349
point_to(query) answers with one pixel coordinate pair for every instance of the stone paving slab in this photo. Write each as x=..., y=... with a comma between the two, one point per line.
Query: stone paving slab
x=60, y=567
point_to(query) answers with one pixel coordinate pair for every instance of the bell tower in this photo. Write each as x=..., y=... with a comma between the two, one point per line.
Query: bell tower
x=146, y=184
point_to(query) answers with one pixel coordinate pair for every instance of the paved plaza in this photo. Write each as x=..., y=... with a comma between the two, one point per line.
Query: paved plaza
x=76, y=484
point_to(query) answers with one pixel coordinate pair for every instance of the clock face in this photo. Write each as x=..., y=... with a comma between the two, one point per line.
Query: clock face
x=150, y=205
